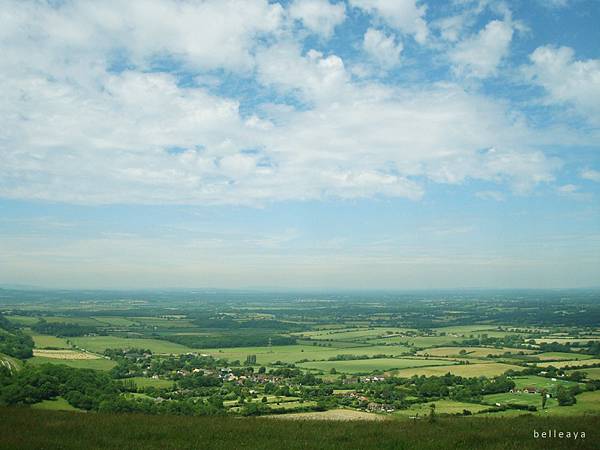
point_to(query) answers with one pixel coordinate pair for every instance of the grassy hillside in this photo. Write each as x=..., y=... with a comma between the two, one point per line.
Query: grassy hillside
x=33, y=429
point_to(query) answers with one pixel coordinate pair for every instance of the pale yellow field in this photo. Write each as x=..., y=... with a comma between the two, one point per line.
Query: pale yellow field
x=333, y=414
x=579, y=363
x=64, y=354
x=478, y=352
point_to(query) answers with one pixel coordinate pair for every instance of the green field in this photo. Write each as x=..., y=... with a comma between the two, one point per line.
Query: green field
x=539, y=382
x=463, y=370
x=561, y=356
x=370, y=365
x=98, y=364
x=45, y=341
x=441, y=407
x=58, y=404
x=83, y=321
x=477, y=352
x=29, y=429
x=98, y=344
x=519, y=399
x=420, y=341
x=22, y=320
x=114, y=321
x=588, y=403
x=294, y=353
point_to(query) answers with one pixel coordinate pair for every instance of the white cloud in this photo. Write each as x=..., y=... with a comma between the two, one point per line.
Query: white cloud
x=590, y=174
x=208, y=34
x=314, y=76
x=568, y=189
x=480, y=55
x=74, y=131
x=491, y=195
x=404, y=15
x=555, y=3
x=381, y=48
x=566, y=80
x=319, y=16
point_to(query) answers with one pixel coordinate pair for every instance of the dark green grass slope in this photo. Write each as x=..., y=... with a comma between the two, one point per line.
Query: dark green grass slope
x=23, y=429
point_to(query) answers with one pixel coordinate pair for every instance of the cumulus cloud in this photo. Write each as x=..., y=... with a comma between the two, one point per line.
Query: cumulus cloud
x=567, y=80
x=383, y=49
x=480, y=55
x=74, y=128
x=208, y=34
x=406, y=16
x=319, y=16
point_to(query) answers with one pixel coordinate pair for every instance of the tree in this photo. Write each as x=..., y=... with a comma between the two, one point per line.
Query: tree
x=544, y=398
x=565, y=397
x=432, y=417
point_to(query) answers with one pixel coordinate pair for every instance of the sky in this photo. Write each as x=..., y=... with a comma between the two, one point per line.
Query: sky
x=357, y=144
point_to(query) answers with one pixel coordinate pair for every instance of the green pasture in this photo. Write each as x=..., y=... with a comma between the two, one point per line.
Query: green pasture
x=45, y=341
x=294, y=353
x=441, y=407
x=370, y=365
x=58, y=404
x=98, y=344
x=97, y=364
x=464, y=370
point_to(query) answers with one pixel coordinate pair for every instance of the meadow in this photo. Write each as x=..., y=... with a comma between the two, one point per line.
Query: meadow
x=366, y=366
x=99, y=344
x=463, y=370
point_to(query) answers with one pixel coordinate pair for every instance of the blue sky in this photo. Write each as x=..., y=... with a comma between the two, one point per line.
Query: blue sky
x=302, y=144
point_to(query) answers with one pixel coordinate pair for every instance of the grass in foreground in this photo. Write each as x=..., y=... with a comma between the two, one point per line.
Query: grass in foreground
x=32, y=429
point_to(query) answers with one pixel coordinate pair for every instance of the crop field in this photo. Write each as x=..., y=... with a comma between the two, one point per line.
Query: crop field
x=64, y=354
x=463, y=370
x=98, y=344
x=336, y=415
x=370, y=365
x=97, y=364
